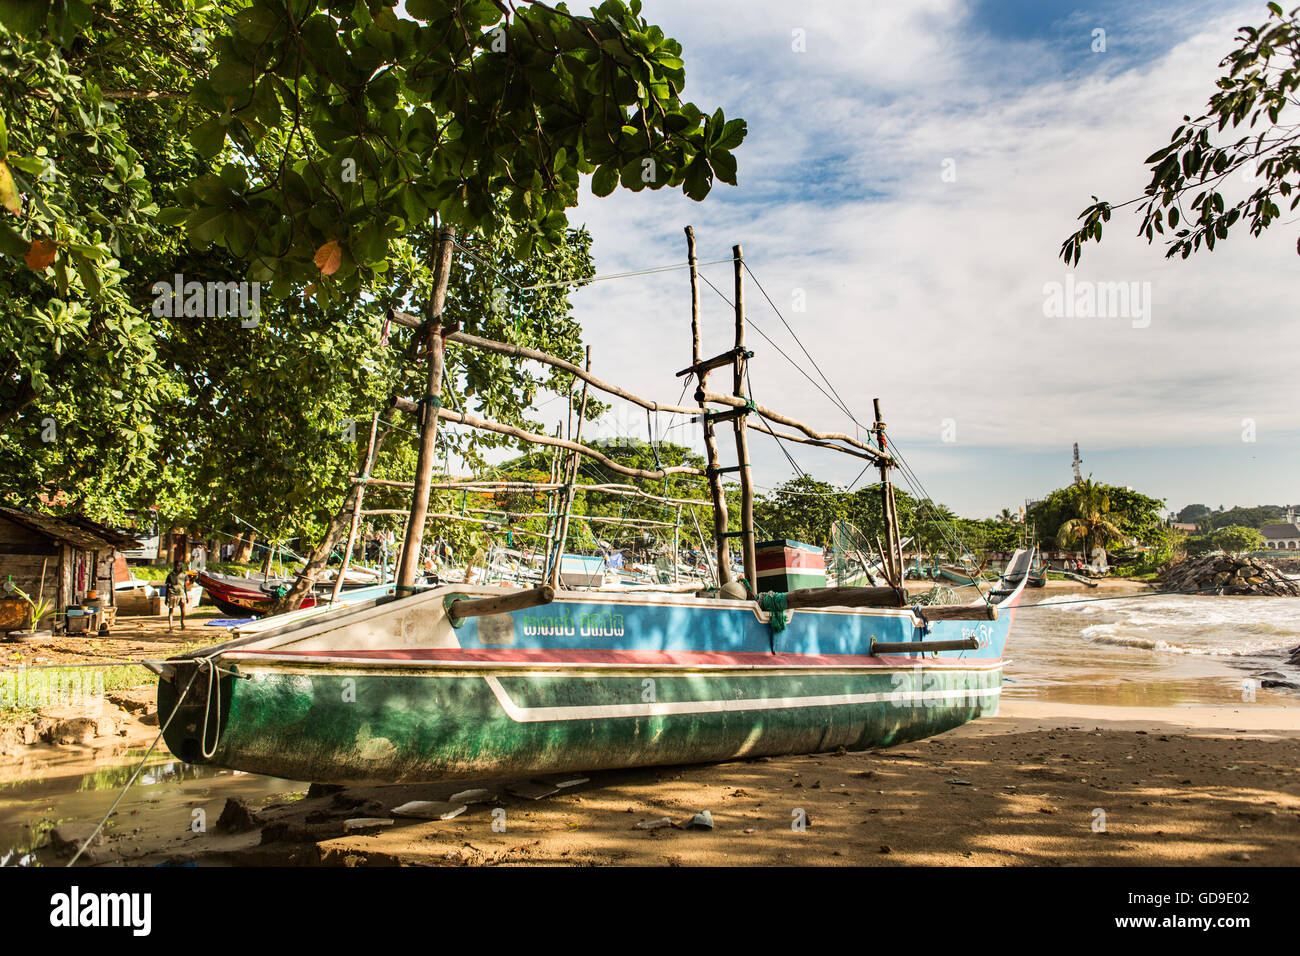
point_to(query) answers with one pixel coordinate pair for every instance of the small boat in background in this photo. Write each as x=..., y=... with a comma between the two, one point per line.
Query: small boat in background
x=241, y=597
x=956, y=575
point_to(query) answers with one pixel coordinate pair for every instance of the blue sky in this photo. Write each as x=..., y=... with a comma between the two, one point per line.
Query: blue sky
x=929, y=292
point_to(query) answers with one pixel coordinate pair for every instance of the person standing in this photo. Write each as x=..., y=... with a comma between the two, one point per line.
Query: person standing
x=176, y=582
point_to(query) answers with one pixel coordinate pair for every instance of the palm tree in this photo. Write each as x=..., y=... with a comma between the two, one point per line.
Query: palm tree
x=1092, y=524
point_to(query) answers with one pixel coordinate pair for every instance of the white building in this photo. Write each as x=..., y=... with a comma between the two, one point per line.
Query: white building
x=1283, y=537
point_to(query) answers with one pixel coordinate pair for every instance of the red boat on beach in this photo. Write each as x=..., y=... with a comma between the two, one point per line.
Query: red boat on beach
x=244, y=596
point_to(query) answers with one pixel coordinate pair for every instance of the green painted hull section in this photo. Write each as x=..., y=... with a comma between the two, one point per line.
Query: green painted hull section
x=354, y=725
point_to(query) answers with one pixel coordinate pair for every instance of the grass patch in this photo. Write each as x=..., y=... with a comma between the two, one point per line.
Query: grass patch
x=25, y=690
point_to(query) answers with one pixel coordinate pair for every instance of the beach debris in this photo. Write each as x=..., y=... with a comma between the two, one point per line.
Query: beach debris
x=958, y=783
x=532, y=789
x=1228, y=574
x=658, y=824
x=323, y=790
x=360, y=824
x=236, y=817
x=700, y=821
x=66, y=838
x=430, y=809
x=886, y=848
x=476, y=795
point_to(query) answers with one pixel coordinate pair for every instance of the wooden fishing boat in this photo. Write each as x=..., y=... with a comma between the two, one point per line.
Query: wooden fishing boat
x=1080, y=579
x=404, y=690
x=1037, y=576
x=457, y=681
x=244, y=596
x=950, y=572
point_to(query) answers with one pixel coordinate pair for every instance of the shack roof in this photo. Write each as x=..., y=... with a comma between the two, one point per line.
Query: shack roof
x=76, y=530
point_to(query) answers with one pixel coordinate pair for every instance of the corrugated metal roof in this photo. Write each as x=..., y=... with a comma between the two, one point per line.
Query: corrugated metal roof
x=61, y=529
x=123, y=542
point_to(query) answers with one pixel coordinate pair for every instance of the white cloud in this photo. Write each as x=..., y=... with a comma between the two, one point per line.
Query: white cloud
x=928, y=293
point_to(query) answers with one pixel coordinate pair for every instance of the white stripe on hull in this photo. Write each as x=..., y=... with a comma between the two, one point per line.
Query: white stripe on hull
x=528, y=715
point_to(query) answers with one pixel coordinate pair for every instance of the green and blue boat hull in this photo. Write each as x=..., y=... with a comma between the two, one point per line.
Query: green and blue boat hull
x=403, y=692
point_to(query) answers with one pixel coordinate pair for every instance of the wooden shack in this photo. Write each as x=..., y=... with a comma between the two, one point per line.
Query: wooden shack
x=61, y=559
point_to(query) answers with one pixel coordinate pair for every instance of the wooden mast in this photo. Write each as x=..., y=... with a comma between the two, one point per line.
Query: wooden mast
x=432, y=334
x=562, y=532
x=747, y=543
x=894, y=556
x=720, y=516
x=356, y=509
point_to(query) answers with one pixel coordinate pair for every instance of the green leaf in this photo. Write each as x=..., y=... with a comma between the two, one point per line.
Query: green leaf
x=24, y=17
x=9, y=197
x=28, y=164
x=605, y=181
x=724, y=167
x=173, y=216
x=698, y=179
x=231, y=77
x=208, y=138
x=11, y=243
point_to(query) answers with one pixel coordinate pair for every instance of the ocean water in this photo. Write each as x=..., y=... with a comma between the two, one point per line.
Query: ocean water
x=1155, y=650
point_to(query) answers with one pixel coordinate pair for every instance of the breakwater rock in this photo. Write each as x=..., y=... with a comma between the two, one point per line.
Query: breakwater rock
x=1228, y=574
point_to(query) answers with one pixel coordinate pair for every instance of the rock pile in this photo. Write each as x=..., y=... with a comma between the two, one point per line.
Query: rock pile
x=1228, y=574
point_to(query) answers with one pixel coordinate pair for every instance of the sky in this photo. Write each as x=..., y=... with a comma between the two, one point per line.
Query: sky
x=910, y=172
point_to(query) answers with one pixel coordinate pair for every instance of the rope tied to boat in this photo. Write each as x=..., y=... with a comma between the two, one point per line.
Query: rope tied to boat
x=925, y=624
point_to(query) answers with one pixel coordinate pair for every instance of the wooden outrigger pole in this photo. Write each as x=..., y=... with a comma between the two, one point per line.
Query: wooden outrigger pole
x=566, y=494
x=433, y=334
x=356, y=510
x=720, y=517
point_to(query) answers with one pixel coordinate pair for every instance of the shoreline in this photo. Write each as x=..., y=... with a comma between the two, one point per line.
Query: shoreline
x=1201, y=785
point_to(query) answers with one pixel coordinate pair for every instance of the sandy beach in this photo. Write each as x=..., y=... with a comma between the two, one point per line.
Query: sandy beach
x=1106, y=751
x=1039, y=785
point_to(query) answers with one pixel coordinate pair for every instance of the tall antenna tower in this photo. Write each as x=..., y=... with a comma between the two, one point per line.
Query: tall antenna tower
x=1078, y=475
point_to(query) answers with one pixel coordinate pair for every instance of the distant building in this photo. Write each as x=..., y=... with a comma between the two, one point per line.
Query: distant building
x=1283, y=537
x=1188, y=526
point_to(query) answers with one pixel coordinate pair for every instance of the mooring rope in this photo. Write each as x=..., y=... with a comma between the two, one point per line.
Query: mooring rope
x=162, y=730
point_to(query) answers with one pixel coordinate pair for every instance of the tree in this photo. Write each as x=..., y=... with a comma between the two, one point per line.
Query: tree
x=1255, y=517
x=802, y=509
x=1263, y=74
x=1235, y=539
x=1092, y=524
x=80, y=238
x=344, y=125
x=1193, y=514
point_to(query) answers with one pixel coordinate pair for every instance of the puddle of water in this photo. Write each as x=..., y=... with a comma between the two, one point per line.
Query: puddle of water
x=164, y=805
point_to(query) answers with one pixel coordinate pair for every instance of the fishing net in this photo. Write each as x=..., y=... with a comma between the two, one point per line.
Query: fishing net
x=851, y=552
x=936, y=595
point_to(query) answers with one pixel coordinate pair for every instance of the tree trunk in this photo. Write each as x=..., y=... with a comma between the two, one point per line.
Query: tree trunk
x=266, y=562
x=243, y=547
